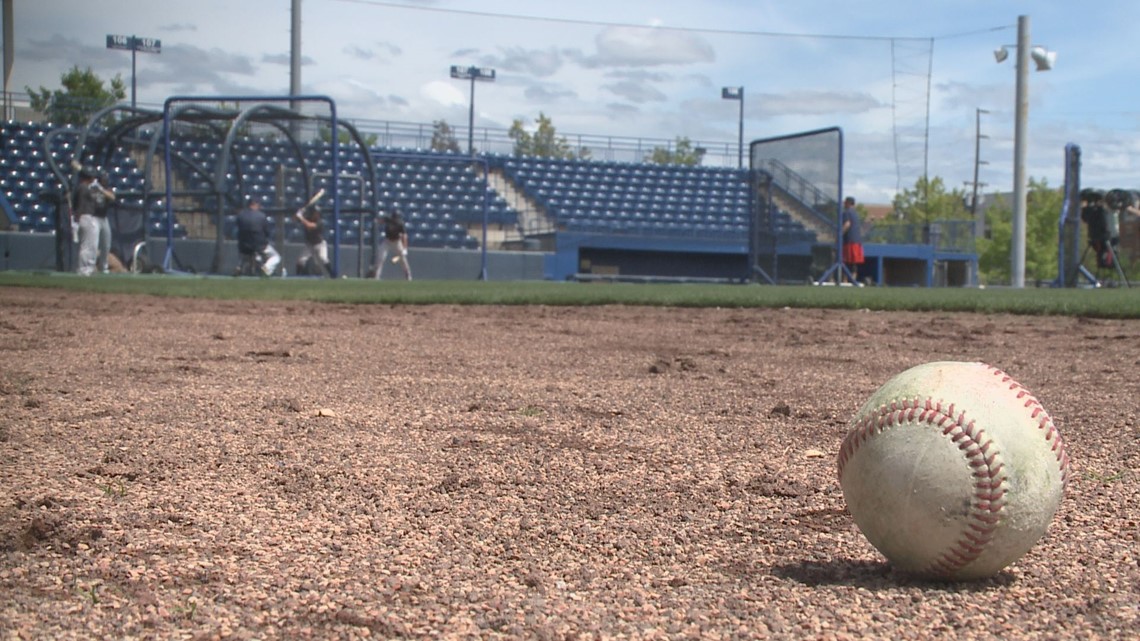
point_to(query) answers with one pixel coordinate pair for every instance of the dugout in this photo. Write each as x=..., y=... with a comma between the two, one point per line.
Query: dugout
x=583, y=257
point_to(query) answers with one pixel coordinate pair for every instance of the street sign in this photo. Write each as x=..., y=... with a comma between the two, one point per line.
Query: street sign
x=148, y=45
x=119, y=42
x=134, y=43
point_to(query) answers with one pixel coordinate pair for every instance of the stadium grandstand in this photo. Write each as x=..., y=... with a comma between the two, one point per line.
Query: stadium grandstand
x=611, y=216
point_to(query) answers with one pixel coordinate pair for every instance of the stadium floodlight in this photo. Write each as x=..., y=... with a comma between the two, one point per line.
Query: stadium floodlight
x=737, y=93
x=472, y=73
x=1044, y=60
x=134, y=44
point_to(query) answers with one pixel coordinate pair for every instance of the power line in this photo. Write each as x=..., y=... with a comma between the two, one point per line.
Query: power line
x=630, y=25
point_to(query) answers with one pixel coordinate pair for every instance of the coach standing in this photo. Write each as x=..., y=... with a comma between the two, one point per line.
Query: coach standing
x=852, y=240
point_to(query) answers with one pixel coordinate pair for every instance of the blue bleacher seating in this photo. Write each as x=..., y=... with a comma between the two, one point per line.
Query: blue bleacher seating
x=440, y=194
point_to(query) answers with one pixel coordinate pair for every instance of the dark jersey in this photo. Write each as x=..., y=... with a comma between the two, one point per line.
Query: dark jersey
x=252, y=230
x=314, y=235
x=853, y=234
x=89, y=201
x=394, y=227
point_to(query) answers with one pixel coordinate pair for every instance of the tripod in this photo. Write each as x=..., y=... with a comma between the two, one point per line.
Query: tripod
x=1110, y=254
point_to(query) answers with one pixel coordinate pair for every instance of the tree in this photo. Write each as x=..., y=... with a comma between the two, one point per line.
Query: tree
x=443, y=137
x=82, y=95
x=1042, y=214
x=915, y=209
x=929, y=201
x=544, y=142
x=683, y=153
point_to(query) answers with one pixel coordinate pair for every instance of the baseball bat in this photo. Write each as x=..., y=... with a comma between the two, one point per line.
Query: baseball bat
x=312, y=201
x=316, y=197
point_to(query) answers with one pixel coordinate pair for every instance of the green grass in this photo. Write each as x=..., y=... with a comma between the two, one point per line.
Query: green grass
x=1102, y=303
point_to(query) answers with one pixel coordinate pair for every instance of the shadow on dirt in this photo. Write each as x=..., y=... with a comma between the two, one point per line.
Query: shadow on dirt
x=875, y=575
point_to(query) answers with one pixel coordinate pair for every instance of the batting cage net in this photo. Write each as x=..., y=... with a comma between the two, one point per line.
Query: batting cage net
x=798, y=186
x=222, y=154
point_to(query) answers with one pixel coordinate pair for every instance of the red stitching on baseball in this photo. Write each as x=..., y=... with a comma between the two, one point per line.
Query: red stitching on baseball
x=1044, y=423
x=989, y=482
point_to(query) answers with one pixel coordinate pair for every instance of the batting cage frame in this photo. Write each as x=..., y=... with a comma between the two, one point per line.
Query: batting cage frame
x=801, y=174
x=265, y=112
x=94, y=147
x=123, y=141
x=472, y=161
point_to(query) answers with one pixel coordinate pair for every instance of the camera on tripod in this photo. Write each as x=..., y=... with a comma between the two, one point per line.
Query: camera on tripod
x=1094, y=214
x=1121, y=199
x=1101, y=213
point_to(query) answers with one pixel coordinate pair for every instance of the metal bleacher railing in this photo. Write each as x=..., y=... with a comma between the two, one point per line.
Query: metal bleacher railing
x=943, y=235
x=493, y=140
x=490, y=140
x=816, y=203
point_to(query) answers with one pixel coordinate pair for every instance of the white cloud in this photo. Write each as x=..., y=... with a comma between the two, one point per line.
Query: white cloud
x=636, y=91
x=178, y=26
x=383, y=52
x=547, y=94
x=813, y=103
x=648, y=46
x=443, y=93
x=535, y=62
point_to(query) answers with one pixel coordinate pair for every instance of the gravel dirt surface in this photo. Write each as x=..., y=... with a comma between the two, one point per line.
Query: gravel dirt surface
x=190, y=469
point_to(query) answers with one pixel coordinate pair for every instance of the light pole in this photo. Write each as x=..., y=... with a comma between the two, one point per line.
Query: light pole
x=737, y=93
x=134, y=44
x=979, y=221
x=1044, y=60
x=472, y=73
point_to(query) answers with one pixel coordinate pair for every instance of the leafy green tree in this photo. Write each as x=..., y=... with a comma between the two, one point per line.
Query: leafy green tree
x=929, y=201
x=443, y=137
x=81, y=96
x=682, y=153
x=914, y=209
x=1042, y=214
x=544, y=142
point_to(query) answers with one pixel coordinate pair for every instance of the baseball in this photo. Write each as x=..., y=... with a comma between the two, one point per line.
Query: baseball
x=952, y=470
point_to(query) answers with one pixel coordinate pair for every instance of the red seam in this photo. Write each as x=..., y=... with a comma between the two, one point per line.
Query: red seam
x=1044, y=423
x=989, y=490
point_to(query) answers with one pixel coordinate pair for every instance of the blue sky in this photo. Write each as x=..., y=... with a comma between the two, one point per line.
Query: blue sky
x=656, y=68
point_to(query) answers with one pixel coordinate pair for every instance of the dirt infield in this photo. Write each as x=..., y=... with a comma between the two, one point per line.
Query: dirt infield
x=199, y=469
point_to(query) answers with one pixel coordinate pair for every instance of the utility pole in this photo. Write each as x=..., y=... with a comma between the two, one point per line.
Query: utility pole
x=979, y=221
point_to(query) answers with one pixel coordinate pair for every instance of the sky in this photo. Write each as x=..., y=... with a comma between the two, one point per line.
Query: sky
x=904, y=80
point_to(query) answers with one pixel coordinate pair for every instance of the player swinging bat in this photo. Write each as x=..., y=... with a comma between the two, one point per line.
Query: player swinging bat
x=309, y=215
x=312, y=201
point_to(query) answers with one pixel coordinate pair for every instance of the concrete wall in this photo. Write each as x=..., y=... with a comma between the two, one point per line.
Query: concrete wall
x=26, y=251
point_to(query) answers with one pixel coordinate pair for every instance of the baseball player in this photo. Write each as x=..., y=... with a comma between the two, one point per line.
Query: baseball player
x=395, y=240
x=90, y=203
x=315, y=245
